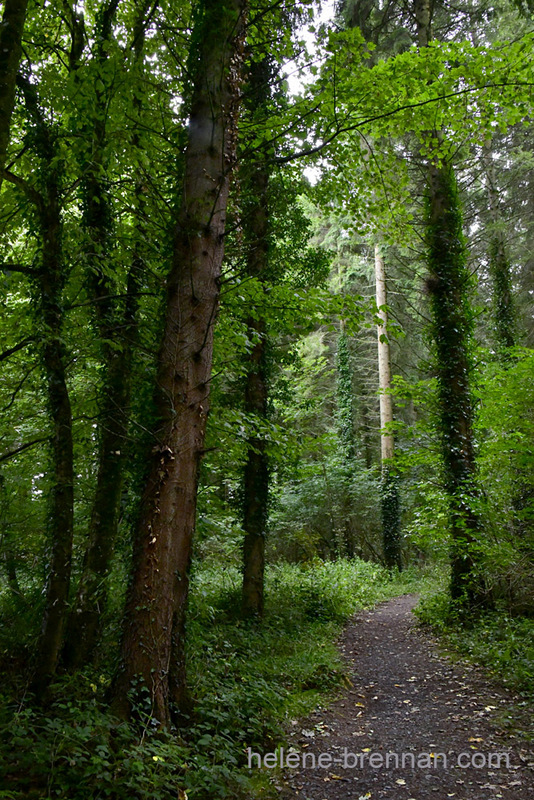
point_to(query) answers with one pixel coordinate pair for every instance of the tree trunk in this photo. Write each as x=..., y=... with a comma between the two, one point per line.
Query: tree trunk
x=387, y=441
x=448, y=286
x=499, y=266
x=85, y=619
x=345, y=401
x=47, y=297
x=389, y=495
x=50, y=283
x=113, y=327
x=11, y=30
x=61, y=514
x=153, y=646
x=256, y=475
x=256, y=484
x=423, y=21
x=347, y=438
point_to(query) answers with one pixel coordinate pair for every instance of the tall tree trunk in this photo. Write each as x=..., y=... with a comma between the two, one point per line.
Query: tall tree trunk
x=389, y=494
x=256, y=226
x=448, y=287
x=61, y=518
x=256, y=473
x=11, y=30
x=423, y=21
x=345, y=401
x=499, y=266
x=347, y=437
x=7, y=553
x=85, y=618
x=113, y=326
x=49, y=282
x=256, y=478
x=153, y=646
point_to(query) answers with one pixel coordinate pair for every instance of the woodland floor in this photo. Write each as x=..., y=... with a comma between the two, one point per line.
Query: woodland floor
x=409, y=697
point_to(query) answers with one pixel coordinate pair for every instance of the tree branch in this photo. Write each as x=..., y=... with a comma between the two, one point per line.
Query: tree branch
x=17, y=388
x=18, y=268
x=31, y=193
x=368, y=120
x=10, y=453
x=16, y=348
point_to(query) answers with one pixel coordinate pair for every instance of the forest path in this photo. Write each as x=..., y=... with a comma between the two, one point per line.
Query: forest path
x=406, y=699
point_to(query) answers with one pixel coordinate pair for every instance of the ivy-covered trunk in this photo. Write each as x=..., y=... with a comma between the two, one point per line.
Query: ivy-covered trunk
x=345, y=544
x=61, y=512
x=48, y=282
x=256, y=478
x=11, y=30
x=256, y=227
x=256, y=473
x=389, y=494
x=116, y=329
x=85, y=618
x=153, y=646
x=452, y=320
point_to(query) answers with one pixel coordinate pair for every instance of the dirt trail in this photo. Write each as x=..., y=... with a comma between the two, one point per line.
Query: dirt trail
x=408, y=701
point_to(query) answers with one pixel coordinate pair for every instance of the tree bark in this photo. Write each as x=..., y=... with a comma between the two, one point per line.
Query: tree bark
x=345, y=401
x=389, y=494
x=11, y=30
x=61, y=518
x=256, y=473
x=499, y=266
x=448, y=287
x=256, y=225
x=114, y=327
x=387, y=441
x=153, y=646
x=49, y=282
x=85, y=618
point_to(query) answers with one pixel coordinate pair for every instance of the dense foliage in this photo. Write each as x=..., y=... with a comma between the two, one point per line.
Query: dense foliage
x=248, y=683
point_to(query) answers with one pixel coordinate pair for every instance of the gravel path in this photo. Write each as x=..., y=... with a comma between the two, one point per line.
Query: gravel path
x=443, y=722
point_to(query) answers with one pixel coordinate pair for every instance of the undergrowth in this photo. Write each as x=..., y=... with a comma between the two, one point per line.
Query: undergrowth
x=247, y=678
x=501, y=643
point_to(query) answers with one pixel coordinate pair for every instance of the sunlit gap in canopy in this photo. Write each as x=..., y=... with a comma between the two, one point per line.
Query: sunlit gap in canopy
x=297, y=74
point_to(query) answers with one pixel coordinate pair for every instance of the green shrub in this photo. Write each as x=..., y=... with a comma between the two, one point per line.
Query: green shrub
x=247, y=678
x=501, y=643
